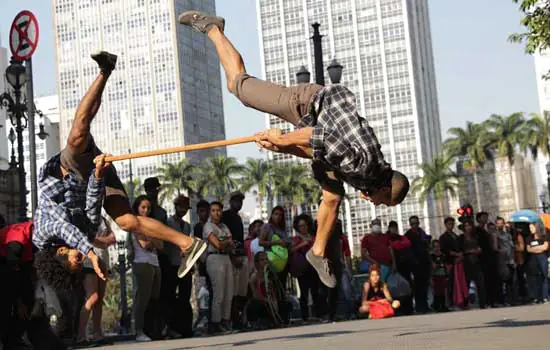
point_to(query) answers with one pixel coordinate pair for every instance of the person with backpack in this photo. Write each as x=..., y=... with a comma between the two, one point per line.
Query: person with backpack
x=273, y=238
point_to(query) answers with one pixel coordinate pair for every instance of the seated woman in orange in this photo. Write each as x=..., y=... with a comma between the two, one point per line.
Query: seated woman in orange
x=377, y=300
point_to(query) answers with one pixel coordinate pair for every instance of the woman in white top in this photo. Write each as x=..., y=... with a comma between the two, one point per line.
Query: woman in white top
x=146, y=269
x=219, y=267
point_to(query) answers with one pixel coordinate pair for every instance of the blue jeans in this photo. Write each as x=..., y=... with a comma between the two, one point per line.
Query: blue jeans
x=347, y=292
x=542, y=261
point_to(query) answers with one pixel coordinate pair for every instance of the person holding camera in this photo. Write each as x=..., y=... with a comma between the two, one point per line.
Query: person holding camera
x=219, y=268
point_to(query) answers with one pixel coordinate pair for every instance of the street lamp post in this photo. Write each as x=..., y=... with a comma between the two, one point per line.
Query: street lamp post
x=548, y=177
x=17, y=77
x=542, y=198
x=124, y=327
x=11, y=138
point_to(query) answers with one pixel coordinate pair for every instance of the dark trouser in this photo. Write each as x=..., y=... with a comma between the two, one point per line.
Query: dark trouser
x=537, y=276
x=492, y=281
x=308, y=282
x=147, y=292
x=175, y=295
x=510, y=285
x=334, y=293
x=439, y=284
x=521, y=282
x=474, y=272
x=421, y=275
x=406, y=307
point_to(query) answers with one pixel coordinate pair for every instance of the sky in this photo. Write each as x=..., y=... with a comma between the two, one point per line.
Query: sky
x=478, y=71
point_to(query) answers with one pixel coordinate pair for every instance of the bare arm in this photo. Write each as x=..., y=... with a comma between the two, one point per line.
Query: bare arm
x=105, y=241
x=520, y=247
x=538, y=249
x=387, y=293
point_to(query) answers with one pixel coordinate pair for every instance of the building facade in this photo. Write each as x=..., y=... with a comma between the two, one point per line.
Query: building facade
x=165, y=91
x=500, y=188
x=542, y=68
x=9, y=195
x=386, y=50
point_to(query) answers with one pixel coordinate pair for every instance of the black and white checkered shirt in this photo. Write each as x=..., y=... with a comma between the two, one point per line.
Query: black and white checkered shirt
x=344, y=141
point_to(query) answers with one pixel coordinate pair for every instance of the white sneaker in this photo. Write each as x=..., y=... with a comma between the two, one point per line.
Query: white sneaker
x=141, y=337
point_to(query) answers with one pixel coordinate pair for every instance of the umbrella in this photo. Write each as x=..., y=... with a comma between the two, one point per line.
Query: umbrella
x=525, y=216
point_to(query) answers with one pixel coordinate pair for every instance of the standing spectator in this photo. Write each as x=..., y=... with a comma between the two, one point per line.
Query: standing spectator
x=488, y=259
x=453, y=257
x=347, y=274
x=152, y=185
x=204, y=302
x=176, y=292
x=376, y=249
x=275, y=226
x=519, y=260
x=404, y=260
x=147, y=273
x=421, y=269
x=203, y=212
x=470, y=247
x=234, y=222
x=94, y=288
x=439, y=277
x=219, y=268
x=232, y=219
x=300, y=267
x=537, y=263
x=506, y=266
x=333, y=253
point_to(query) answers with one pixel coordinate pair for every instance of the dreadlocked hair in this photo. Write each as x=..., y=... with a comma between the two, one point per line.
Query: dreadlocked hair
x=52, y=268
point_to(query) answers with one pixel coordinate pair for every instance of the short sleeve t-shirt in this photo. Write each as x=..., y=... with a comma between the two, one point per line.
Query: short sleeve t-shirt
x=219, y=230
x=532, y=242
x=378, y=247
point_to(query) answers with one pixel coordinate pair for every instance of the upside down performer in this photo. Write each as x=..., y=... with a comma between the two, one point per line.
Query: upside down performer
x=329, y=130
x=71, y=193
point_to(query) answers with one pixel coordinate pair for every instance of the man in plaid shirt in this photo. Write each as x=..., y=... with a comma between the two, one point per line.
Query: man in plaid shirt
x=329, y=130
x=68, y=207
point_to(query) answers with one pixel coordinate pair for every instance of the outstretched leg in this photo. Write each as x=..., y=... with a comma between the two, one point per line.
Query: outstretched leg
x=288, y=103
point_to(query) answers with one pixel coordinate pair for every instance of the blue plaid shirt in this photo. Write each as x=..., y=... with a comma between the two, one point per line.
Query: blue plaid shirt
x=68, y=209
x=344, y=141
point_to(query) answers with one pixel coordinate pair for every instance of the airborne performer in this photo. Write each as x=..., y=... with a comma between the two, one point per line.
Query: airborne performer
x=71, y=185
x=329, y=130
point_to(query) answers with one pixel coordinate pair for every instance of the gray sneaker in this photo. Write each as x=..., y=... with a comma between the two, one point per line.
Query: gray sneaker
x=201, y=22
x=105, y=60
x=321, y=265
x=191, y=256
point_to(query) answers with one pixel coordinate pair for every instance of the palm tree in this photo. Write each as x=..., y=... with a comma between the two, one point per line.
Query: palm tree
x=220, y=175
x=506, y=138
x=438, y=179
x=134, y=188
x=257, y=173
x=472, y=143
x=537, y=135
x=176, y=178
x=291, y=182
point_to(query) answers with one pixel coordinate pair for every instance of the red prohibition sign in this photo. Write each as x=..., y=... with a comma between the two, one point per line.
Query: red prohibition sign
x=24, y=34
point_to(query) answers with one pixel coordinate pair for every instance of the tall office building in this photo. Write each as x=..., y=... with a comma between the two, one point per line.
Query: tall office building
x=166, y=89
x=542, y=68
x=386, y=50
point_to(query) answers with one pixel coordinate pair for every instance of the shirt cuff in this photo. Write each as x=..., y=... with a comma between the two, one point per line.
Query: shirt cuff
x=317, y=141
x=84, y=247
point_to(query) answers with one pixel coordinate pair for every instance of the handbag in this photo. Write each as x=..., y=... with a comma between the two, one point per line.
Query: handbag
x=380, y=308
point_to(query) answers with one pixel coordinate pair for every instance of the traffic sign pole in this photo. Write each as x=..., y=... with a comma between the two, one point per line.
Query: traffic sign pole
x=32, y=135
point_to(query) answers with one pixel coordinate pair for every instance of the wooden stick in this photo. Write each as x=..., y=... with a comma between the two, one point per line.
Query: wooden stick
x=195, y=147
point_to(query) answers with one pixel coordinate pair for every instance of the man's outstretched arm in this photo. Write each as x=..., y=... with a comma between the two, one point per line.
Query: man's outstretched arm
x=296, y=143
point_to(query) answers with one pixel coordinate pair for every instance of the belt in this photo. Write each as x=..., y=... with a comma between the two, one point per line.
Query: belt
x=216, y=253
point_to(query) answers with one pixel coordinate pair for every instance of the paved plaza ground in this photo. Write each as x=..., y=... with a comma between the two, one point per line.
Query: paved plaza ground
x=526, y=327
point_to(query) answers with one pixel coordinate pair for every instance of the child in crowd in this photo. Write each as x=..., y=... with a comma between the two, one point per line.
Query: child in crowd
x=204, y=301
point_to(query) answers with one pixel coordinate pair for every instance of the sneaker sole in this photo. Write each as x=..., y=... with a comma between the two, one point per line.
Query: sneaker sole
x=329, y=283
x=184, y=19
x=192, y=261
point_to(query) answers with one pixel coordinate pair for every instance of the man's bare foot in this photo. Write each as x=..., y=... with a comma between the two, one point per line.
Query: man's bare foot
x=201, y=22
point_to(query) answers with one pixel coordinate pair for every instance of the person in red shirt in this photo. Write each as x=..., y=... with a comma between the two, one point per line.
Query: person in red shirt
x=376, y=250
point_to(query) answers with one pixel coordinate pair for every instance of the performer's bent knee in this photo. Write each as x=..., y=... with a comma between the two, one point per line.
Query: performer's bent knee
x=128, y=223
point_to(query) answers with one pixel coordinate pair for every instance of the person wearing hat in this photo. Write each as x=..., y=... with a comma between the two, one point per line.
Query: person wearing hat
x=234, y=222
x=152, y=185
x=177, y=306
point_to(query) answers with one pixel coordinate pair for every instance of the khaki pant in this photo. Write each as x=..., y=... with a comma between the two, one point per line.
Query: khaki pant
x=147, y=278
x=240, y=279
x=220, y=271
x=290, y=103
